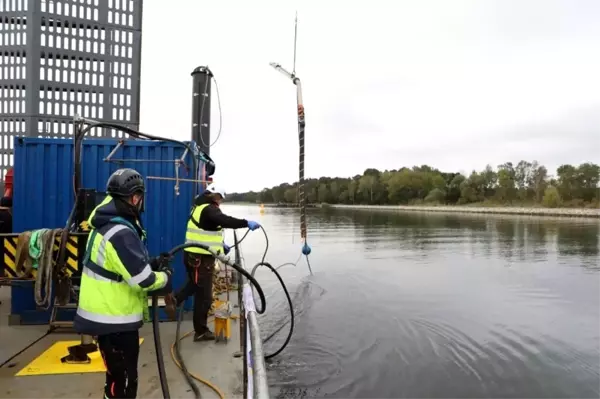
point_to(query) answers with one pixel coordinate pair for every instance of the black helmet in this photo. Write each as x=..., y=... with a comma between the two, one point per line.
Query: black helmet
x=125, y=183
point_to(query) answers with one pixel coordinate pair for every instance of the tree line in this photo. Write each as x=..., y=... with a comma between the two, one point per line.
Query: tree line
x=523, y=184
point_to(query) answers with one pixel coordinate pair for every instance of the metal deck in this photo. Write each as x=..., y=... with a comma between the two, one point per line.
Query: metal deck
x=210, y=360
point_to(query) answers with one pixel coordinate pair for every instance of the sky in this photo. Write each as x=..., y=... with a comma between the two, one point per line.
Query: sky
x=453, y=84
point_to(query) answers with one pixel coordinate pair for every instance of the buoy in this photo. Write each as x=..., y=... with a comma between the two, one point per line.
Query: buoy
x=306, y=249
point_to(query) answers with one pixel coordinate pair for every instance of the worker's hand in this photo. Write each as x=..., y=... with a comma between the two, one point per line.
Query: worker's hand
x=166, y=268
x=253, y=225
x=157, y=262
x=226, y=249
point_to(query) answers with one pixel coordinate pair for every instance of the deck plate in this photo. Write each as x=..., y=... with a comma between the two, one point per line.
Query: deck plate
x=49, y=362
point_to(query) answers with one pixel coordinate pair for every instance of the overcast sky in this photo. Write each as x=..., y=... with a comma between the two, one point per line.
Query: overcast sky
x=453, y=84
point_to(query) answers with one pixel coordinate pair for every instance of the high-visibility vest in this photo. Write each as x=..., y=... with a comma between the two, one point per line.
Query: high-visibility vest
x=110, y=299
x=194, y=234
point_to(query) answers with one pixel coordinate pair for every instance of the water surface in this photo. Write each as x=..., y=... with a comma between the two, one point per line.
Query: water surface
x=432, y=305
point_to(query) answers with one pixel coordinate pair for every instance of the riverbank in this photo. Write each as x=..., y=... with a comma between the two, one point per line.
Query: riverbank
x=500, y=210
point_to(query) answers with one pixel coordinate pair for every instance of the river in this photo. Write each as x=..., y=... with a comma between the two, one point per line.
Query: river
x=406, y=304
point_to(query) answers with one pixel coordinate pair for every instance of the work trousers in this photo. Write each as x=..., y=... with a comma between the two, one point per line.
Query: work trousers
x=120, y=352
x=200, y=269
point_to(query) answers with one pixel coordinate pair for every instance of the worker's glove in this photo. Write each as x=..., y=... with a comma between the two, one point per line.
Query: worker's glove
x=166, y=268
x=157, y=262
x=226, y=248
x=253, y=225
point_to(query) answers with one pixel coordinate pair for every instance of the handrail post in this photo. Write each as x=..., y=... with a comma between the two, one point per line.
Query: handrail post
x=255, y=370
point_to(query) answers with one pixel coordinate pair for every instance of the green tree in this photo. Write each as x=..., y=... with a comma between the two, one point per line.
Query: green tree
x=525, y=182
x=290, y=196
x=366, y=186
x=538, y=182
x=436, y=196
x=551, y=197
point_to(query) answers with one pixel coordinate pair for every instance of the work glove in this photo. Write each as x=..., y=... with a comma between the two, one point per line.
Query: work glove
x=226, y=249
x=157, y=262
x=253, y=225
x=166, y=268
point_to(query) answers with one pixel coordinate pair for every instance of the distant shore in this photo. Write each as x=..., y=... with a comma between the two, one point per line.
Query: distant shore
x=506, y=210
x=497, y=210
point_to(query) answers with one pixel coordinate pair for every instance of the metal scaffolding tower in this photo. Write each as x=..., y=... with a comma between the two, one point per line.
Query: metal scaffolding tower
x=59, y=58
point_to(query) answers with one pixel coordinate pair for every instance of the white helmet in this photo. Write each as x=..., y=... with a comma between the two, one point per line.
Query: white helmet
x=214, y=189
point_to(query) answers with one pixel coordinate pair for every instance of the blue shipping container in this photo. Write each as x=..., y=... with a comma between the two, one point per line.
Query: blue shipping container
x=43, y=186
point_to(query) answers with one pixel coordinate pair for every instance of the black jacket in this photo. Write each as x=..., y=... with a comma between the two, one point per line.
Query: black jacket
x=212, y=218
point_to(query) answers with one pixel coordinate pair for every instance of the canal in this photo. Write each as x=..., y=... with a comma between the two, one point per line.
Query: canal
x=405, y=304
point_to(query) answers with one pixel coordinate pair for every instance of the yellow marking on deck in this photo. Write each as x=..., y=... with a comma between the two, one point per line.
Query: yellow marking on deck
x=49, y=362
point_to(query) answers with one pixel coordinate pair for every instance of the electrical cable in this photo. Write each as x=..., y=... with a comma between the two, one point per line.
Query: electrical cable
x=204, y=95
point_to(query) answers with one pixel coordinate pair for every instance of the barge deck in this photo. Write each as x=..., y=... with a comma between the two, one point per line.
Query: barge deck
x=212, y=361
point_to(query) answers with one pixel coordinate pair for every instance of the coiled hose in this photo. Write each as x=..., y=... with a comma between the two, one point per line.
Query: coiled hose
x=285, y=290
x=155, y=325
x=175, y=349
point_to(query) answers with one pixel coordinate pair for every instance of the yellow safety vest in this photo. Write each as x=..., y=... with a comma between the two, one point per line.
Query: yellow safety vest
x=110, y=298
x=194, y=234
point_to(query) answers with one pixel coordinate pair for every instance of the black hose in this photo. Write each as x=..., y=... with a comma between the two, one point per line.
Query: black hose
x=285, y=290
x=289, y=299
x=138, y=135
x=7, y=361
x=158, y=347
x=186, y=373
x=238, y=268
x=237, y=244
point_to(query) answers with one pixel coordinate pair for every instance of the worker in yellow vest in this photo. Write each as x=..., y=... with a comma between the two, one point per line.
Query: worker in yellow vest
x=116, y=278
x=205, y=226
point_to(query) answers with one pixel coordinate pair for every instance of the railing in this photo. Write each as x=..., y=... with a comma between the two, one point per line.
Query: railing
x=255, y=371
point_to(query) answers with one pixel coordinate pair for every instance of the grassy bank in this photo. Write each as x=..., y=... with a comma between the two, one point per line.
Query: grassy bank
x=506, y=210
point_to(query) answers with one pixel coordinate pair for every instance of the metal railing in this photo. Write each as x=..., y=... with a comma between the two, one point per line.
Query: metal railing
x=255, y=371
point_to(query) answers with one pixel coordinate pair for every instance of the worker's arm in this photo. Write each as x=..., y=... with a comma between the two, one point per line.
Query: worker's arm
x=133, y=264
x=213, y=214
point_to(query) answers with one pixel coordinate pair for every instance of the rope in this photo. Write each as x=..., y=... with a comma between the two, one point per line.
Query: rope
x=43, y=279
x=301, y=196
x=23, y=263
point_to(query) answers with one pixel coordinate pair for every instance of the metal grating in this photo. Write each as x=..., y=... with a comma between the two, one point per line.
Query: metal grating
x=59, y=58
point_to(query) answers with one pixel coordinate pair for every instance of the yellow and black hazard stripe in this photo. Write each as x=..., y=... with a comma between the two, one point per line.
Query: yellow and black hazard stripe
x=72, y=253
x=9, y=255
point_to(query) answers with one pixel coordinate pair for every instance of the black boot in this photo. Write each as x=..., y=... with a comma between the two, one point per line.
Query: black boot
x=207, y=335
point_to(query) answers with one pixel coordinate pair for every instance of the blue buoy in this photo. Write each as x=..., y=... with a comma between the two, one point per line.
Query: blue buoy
x=306, y=249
